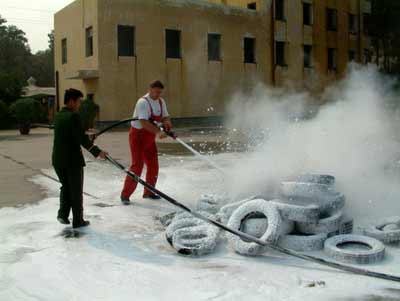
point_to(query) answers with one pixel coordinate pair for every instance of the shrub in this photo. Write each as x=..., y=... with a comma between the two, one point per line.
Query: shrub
x=25, y=111
x=88, y=112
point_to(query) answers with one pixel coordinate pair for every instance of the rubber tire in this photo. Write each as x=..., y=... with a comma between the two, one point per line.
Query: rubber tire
x=271, y=235
x=181, y=224
x=303, y=243
x=387, y=237
x=305, y=190
x=210, y=203
x=313, y=178
x=346, y=226
x=226, y=211
x=257, y=226
x=185, y=241
x=325, y=225
x=374, y=255
x=297, y=213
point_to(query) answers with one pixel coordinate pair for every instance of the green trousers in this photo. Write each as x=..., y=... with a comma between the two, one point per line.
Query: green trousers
x=71, y=193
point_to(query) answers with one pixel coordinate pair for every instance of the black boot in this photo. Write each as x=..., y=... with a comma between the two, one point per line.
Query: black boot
x=80, y=224
x=125, y=201
x=63, y=220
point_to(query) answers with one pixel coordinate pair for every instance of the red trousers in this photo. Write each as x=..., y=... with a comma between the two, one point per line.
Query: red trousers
x=143, y=151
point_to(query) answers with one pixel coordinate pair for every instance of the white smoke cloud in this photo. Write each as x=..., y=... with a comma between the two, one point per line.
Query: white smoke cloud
x=354, y=137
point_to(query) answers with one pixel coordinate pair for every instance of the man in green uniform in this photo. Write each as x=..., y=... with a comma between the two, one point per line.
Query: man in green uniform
x=68, y=160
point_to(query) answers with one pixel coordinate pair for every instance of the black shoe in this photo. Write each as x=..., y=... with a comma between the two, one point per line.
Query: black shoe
x=152, y=197
x=81, y=224
x=63, y=220
x=125, y=201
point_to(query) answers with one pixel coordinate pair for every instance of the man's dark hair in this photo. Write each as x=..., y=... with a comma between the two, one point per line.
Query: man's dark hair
x=157, y=84
x=72, y=94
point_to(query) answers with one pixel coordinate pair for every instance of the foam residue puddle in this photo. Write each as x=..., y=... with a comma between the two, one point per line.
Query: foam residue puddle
x=354, y=246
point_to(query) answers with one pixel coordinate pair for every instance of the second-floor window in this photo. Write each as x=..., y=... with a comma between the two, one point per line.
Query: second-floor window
x=214, y=47
x=89, y=41
x=64, y=51
x=173, y=43
x=331, y=19
x=280, y=10
x=126, y=40
x=307, y=13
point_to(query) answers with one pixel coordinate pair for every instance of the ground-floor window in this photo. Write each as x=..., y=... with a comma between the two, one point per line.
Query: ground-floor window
x=249, y=50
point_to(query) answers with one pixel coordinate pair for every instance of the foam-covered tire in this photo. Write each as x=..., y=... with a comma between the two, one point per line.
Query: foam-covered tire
x=257, y=226
x=346, y=226
x=226, y=211
x=375, y=254
x=181, y=224
x=387, y=236
x=210, y=203
x=270, y=236
x=297, y=213
x=304, y=190
x=331, y=203
x=303, y=243
x=324, y=225
x=313, y=178
x=195, y=241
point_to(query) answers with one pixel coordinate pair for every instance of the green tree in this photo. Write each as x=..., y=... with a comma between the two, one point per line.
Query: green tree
x=14, y=61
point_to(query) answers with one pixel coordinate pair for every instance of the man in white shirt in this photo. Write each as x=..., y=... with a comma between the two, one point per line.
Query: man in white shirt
x=149, y=109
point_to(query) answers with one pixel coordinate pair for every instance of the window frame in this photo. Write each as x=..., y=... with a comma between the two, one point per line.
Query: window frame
x=89, y=41
x=281, y=59
x=218, y=57
x=282, y=15
x=168, y=50
x=254, y=50
x=332, y=26
x=310, y=64
x=121, y=51
x=252, y=5
x=311, y=13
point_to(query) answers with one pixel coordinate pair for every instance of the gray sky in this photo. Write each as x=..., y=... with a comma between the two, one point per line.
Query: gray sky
x=33, y=17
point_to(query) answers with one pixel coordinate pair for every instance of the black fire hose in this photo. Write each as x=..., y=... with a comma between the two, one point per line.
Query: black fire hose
x=246, y=236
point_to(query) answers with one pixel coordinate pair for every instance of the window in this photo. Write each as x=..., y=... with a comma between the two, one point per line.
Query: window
x=214, y=47
x=173, y=43
x=249, y=50
x=126, y=40
x=332, y=59
x=308, y=56
x=352, y=55
x=64, y=54
x=90, y=96
x=307, y=14
x=280, y=10
x=280, y=54
x=89, y=41
x=366, y=22
x=252, y=5
x=331, y=19
x=352, y=23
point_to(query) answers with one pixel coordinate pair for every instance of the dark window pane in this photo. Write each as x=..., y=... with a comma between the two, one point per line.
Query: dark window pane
x=214, y=47
x=89, y=41
x=331, y=18
x=280, y=10
x=367, y=56
x=331, y=59
x=352, y=23
x=249, y=50
x=173, y=43
x=280, y=54
x=307, y=56
x=126, y=40
x=366, y=22
x=307, y=14
x=252, y=5
x=64, y=54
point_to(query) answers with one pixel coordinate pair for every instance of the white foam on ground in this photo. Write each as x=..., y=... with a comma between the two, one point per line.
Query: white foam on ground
x=124, y=255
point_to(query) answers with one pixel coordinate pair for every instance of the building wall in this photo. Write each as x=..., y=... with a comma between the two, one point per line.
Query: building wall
x=71, y=23
x=196, y=87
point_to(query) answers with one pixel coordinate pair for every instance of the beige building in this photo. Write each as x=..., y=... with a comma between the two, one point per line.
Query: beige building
x=204, y=51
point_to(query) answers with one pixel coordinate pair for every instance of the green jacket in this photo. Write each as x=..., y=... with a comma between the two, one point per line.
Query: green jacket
x=69, y=135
